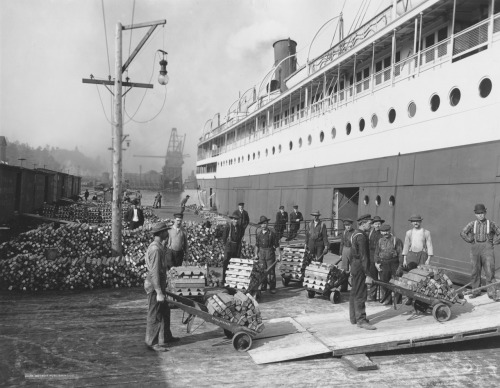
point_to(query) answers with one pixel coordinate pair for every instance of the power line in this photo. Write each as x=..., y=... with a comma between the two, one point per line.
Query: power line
x=131, y=31
x=106, y=36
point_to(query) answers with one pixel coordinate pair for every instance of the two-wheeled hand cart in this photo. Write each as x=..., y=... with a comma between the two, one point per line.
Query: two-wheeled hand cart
x=241, y=335
x=325, y=280
x=439, y=307
x=293, y=263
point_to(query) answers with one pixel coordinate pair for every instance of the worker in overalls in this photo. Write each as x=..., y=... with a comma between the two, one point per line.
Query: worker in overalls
x=373, y=236
x=345, y=248
x=317, y=238
x=482, y=234
x=231, y=240
x=266, y=245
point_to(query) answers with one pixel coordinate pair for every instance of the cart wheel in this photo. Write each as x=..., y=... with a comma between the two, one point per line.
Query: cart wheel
x=310, y=294
x=242, y=342
x=229, y=334
x=441, y=312
x=335, y=297
x=285, y=281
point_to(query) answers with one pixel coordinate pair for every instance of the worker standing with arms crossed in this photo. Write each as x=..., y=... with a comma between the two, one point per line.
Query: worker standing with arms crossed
x=266, y=244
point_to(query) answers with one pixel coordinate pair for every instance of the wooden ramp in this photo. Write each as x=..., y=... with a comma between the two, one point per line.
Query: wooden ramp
x=396, y=329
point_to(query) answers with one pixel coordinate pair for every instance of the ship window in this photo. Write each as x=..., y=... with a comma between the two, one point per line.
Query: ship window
x=290, y=145
x=392, y=200
x=366, y=200
x=309, y=140
x=361, y=125
x=258, y=154
x=279, y=148
x=392, y=115
x=435, y=102
x=300, y=142
x=412, y=109
x=321, y=136
x=267, y=152
x=254, y=155
x=378, y=200
x=374, y=120
x=455, y=96
x=485, y=87
x=274, y=150
x=238, y=159
x=334, y=133
x=348, y=128
x=249, y=157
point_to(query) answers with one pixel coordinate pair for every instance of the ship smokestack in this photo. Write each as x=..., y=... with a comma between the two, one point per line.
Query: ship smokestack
x=282, y=49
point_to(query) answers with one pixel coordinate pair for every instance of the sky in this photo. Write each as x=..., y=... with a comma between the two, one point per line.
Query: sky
x=216, y=49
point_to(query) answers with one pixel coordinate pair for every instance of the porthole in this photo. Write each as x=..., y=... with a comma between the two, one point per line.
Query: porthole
x=348, y=129
x=290, y=145
x=254, y=156
x=309, y=139
x=392, y=115
x=374, y=120
x=300, y=142
x=366, y=200
x=435, y=102
x=378, y=200
x=274, y=150
x=258, y=154
x=455, y=96
x=485, y=87
x=248, y=157
x=267, y=152
x=279, y=148
x=334, y=133
x=361, y=125
x=238, y=159
x=412, y=109
x=392, y=200
x=321, y=136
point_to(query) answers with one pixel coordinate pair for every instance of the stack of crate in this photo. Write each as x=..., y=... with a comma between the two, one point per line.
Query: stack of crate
x=293, y=262
x=187, y=281
x=238, y=273
x=316, y=277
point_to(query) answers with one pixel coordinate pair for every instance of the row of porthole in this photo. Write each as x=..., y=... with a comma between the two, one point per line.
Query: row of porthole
x=378, y=200
x=485, y=87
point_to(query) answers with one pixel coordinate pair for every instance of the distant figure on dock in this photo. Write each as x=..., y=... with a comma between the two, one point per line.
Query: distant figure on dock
x=177, y=247
x=135, y=216
x=126, y=197
x=231, y=237
x=138, y=197
x=281, y=221
x=183, y=203
x=86, y=195
x=155, y=284
x=388, y=256
x=482, y=234
x=266, y=245
x=418, y=243
x=243, y=222
x=157, y=201
x=373, y=238
x=317, y=238
x=295, y=219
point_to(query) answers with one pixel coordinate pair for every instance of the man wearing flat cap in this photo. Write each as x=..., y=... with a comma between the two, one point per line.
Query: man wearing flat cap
x=373, y=238
x=155, y=284
x=295, y=219
x=231, y=240
x=482, y=234
x=281, y=221
x=177, y=247
x=243, y=222
x=317, y=238
x=388, y=255
x=417, y=247
x=266, y=245
x=360, y=273
x=345, y=246
x=183, y=204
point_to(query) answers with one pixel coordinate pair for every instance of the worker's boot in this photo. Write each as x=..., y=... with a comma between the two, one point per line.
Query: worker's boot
x=366, y=325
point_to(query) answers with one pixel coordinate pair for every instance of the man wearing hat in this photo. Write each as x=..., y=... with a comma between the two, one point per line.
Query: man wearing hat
x=388, y=256
x=482, y=234
x=155, y=284
x=177, y=247
x=281, y=220
x=345, y=246
x=183, y=204
x=134, y=216
x=231, y=239
x=295, y=218
x=316, y=237
x=243, y=222
x=266, y=245
x=373, y=238
x=360, y=274
x=418, y=243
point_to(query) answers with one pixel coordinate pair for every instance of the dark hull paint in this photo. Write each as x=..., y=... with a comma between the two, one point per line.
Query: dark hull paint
x=441, y=185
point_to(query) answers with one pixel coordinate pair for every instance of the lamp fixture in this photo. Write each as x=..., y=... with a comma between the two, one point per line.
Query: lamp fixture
x=163, y=77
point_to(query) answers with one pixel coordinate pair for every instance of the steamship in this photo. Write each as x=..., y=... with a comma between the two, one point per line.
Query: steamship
x=399, y=117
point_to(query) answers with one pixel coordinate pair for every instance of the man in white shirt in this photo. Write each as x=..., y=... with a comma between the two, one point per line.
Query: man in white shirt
x=417, y=247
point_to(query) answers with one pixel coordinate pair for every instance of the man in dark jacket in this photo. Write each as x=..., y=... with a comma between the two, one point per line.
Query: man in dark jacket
x=360, y=275
x=231, y=240
x=373, y=238
x=158, y=316
x=135, y=216
x=266, y=245
x=317, y=238
x=281, y=221
x=243, y=222
x=345, y=248
x=295, y=219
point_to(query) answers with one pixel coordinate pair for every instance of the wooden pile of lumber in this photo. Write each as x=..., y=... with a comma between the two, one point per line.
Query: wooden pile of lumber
x=187, y=281
x=241, y=309
x=429, y=281
x=244, y=274
x=294, y=262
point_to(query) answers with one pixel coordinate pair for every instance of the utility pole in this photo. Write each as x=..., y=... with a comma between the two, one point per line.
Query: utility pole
x=116, y=207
